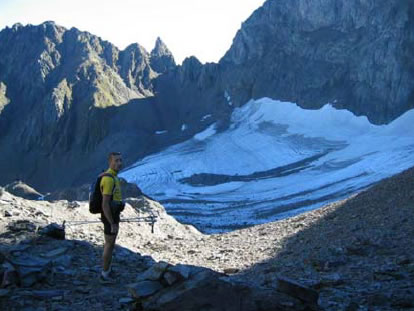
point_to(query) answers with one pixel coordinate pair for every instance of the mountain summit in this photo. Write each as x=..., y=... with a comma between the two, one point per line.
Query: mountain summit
x=66, y=96
x=162, y=59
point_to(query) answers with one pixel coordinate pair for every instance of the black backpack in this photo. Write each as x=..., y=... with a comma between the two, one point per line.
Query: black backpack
x=95, y=195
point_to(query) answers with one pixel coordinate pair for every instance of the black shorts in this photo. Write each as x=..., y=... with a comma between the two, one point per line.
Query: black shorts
x=115, y=216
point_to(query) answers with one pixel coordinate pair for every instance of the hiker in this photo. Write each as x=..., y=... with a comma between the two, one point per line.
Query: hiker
x=112, y=205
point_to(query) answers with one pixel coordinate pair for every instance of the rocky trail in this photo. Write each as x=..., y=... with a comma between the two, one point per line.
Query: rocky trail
x=356, y=254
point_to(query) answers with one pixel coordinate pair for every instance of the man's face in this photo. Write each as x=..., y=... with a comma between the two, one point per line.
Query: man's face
x=116, y=163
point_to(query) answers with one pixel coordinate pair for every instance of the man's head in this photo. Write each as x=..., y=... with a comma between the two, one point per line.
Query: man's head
x=115, y=161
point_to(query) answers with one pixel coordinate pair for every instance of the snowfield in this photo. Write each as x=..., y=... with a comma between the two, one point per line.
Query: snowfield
x=274, y=161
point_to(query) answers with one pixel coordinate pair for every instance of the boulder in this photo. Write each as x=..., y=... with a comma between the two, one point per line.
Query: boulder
x=144, y=289
x=154, y=273
x=299, y=291
x=209, y=290
x=20, y=189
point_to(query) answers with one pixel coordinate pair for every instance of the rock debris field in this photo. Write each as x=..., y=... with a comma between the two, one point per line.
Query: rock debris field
x=355, y=254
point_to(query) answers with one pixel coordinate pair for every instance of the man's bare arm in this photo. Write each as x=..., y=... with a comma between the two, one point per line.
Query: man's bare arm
x=106, y=208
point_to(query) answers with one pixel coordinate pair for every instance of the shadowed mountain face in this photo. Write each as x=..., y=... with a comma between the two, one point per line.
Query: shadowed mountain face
x=67, y=97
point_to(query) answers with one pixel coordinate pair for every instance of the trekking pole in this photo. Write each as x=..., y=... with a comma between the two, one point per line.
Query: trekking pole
x=150, y=219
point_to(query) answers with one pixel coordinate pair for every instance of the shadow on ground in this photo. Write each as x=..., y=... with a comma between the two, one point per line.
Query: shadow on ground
x=357, y=252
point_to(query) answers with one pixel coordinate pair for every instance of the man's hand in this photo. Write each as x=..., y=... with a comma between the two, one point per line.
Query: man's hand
x=114, y=228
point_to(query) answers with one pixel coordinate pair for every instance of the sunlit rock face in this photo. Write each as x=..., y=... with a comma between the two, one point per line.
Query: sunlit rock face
x=66, y=99
x=356, y=54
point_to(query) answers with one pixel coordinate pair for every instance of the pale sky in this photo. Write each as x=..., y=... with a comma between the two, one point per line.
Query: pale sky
x=203, y=28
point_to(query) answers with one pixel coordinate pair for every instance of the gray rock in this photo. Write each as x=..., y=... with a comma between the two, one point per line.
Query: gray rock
x=126, y=300
x=330, y=280
x=294, y=289
x=182, y=270
x=27, y=260
x=30, y=275
x=162, y=59
x=208, y=290
x=171, y=278
x=144, y=289
x=22, y=190
x=154, y=273
x=231, y=270
x=55, y=252
x=54, y=230
x=21, y=225
x=63, y=261
x=47, y=293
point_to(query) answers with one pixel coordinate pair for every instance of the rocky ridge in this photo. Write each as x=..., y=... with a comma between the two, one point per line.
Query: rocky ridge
x=356, y=254
x=48, y=266
x=355, y=55
x=67, y=96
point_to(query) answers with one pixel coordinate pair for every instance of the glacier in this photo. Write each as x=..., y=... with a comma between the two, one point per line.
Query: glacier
x=275, y=160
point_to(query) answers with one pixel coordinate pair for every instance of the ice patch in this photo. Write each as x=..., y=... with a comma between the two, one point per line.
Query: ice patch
x=275, y=160
x=210, y=131
x=207, y=116
x=161, y=132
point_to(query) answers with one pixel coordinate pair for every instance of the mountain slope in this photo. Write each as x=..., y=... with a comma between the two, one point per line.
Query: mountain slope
x=67, y=97
x=356, y=54
x=61, y=93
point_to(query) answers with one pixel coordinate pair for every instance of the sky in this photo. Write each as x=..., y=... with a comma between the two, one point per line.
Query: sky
x=201, y=28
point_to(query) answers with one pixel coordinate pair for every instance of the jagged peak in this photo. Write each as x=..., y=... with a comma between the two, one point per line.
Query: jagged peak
x=160, y=48
x=192, y=60
x=51, y=23
x=17, y=26
x=162, y=59
x=136, y=47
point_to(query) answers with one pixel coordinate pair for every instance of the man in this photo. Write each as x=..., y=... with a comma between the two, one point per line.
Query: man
x=112, y=206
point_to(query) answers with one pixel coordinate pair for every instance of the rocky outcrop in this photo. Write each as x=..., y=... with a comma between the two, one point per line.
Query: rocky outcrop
x=135, y=69
x=22, y=190
x=355, y=55
x=42, y=267
x=67, y=98
x=167, y=287
x=162, y=59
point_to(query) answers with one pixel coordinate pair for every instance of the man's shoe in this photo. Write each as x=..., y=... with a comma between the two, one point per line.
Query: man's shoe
x=106, y=279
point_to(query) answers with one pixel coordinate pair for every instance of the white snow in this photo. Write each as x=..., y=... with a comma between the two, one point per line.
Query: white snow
x=184, y=127
x=210, y=131
x=161, y=132
x=207, y=116
x=228, y=98
x=301, y=160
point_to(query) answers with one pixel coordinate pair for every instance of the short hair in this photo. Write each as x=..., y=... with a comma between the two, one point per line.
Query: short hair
x=113, y=154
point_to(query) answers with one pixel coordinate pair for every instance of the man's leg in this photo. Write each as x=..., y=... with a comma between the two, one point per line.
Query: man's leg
x=108, y=250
